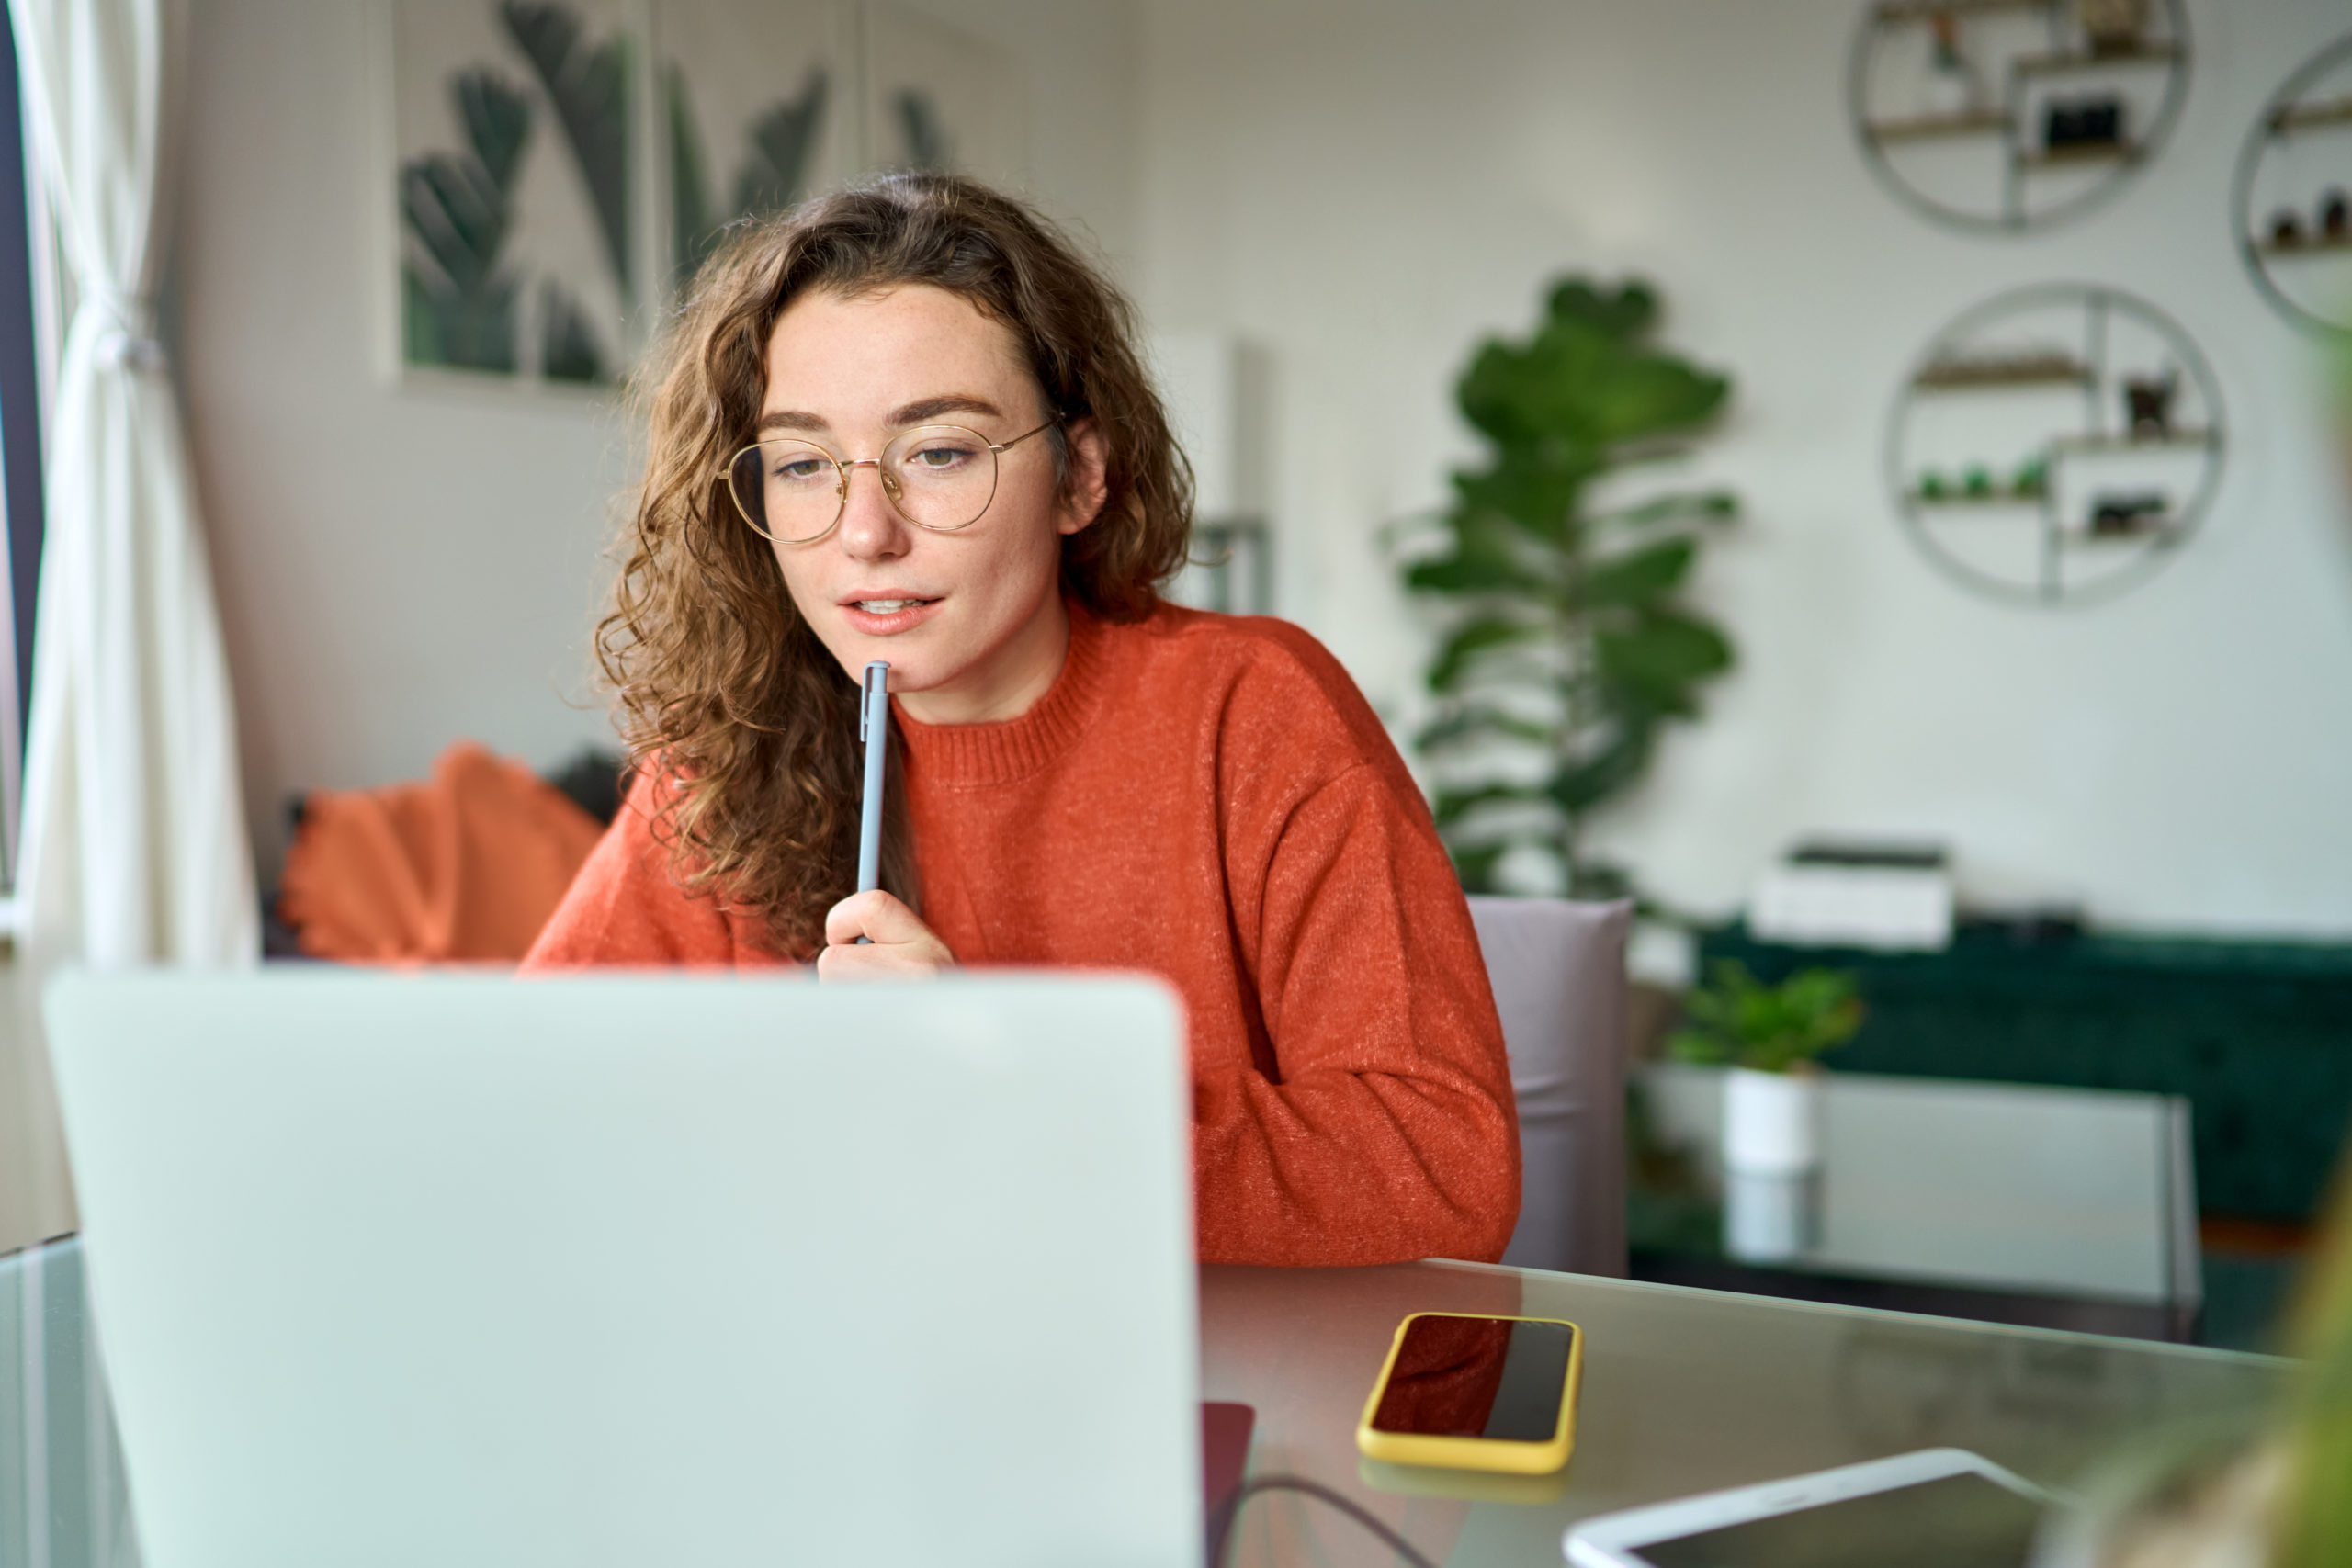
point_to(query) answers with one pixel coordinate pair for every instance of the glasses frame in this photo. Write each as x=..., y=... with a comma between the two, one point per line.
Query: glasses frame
x=843, y=467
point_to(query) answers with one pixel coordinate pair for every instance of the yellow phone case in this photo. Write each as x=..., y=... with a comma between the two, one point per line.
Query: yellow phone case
x=1474, y=1453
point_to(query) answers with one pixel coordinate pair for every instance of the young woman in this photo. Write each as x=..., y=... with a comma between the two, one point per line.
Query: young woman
x=908, y=423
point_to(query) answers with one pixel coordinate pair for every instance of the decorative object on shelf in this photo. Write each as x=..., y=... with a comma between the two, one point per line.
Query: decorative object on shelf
x=2004, y=369
x=1977, y=481
x=2133, y=421
x=2073, y=125
x=1953, y=88
x=2293, y=166
x=1888, y=897
x=2113, y=26
x=1569, y=646
x=2147, y=400
x=2004, y=115
x=1771, y=1038
x=2125, y=516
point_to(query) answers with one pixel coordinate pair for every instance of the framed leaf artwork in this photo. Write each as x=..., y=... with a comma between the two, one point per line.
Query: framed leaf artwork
x=559, y=168
x=515, y=198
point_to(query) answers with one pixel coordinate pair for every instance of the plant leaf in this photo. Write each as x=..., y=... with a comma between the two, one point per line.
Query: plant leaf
x=919, y=127
x=694, y=234
x=1706, y=505
x=1480, y=721
x=1537, y=494
x=1581, y=787
x=1467, y=574
x=1661, y=656
x=1473, y=638
x=568, y=346
x=1453, y=805
x=1475, y=864
x=497, y=121
x=1639, y=576
x=784, y=145
x=588, y=83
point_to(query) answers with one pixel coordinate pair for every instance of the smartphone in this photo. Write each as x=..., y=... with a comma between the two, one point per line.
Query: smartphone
x=1462, y=1391
x=1935, y=1508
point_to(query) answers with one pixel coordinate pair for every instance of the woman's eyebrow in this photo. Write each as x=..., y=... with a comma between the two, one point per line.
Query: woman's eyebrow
x=912, y=413
x=931, y=408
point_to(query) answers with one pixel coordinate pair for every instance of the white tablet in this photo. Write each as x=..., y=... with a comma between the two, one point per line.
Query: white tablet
x=1936, y=1508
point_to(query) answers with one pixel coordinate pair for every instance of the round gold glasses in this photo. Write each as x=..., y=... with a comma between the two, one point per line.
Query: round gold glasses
x=939, y=476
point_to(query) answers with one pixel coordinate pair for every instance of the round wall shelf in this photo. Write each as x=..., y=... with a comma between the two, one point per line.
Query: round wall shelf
x=2002, y=116
x=2293, y=198
x=2055, y=444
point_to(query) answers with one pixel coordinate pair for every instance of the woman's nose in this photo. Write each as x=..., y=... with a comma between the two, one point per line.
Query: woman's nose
x=871, y=528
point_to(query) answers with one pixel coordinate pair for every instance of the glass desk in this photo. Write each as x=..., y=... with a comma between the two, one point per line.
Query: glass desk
x=2046, y=1208
x=1683, y=1391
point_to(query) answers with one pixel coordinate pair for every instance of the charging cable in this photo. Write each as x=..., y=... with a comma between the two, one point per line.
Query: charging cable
x=1221, y=1532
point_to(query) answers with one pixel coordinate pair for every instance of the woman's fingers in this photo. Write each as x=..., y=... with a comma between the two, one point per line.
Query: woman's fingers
x=873, y=915
x=899, y=945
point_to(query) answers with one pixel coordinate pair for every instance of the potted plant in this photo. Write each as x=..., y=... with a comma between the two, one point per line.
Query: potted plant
x=1568, y=645
x=1771, y=1038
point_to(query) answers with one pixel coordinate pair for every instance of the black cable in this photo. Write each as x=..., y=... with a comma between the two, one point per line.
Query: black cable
x=1221, y=1533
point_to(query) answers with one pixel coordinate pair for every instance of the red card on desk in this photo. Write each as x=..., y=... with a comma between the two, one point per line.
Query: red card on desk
x=1225, y=1454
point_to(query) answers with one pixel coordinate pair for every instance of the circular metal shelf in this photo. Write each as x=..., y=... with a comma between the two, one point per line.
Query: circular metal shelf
x=2309, y=281
x=2110, y=434
x=2044, y=55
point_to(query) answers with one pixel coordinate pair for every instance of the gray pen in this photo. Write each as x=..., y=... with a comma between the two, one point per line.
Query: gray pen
x=874, y=728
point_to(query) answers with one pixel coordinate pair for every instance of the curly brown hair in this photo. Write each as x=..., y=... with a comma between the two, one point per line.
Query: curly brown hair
x=725, y=696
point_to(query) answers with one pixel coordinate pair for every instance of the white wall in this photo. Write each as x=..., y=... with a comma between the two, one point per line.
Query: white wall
x=1366, y=185
x=1363, y=187
x=400, y=567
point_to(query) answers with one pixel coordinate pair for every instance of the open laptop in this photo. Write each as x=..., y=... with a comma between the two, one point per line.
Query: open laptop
x=640, y=1268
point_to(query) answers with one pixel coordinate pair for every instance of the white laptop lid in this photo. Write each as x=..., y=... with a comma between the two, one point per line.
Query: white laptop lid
x=637, y=1269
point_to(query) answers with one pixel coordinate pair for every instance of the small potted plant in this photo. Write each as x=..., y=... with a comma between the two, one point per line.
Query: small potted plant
x=1771, y=1038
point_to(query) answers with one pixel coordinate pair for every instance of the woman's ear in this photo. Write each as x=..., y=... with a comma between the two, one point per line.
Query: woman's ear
x=1087, y=481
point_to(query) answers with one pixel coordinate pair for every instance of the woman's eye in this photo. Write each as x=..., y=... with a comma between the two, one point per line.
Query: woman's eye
x=800, y=468
x=940, y=457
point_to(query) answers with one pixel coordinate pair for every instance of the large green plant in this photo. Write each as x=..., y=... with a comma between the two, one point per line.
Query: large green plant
x=1567, y=637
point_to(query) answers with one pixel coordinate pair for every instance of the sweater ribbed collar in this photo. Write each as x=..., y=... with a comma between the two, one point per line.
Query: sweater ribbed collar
x=964, y=755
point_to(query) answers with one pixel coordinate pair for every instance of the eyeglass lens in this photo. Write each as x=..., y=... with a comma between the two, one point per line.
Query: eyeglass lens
x=941, y=476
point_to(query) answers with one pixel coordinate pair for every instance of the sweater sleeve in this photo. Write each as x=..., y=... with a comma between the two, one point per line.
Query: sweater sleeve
x=1383, y=1127
x=625, y=909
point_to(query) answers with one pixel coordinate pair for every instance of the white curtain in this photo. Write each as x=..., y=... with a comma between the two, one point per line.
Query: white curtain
x=134, y=847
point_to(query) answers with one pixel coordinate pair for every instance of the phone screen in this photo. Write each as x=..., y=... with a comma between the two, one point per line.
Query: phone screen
x=1954, y=1521
x=1500, y=1378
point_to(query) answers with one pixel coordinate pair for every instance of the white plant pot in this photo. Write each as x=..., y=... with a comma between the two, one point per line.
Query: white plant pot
x=1771, y=1163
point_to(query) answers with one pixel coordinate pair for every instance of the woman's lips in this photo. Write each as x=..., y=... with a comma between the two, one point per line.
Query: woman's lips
x=908, y=613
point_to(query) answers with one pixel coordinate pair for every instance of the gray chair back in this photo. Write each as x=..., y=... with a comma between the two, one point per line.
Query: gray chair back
x=1558, y=971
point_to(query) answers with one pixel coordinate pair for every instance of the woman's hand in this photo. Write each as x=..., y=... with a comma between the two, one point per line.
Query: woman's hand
x=902, y=947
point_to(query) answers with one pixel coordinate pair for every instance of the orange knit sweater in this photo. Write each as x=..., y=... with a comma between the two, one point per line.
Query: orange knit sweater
x=1210, y=799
